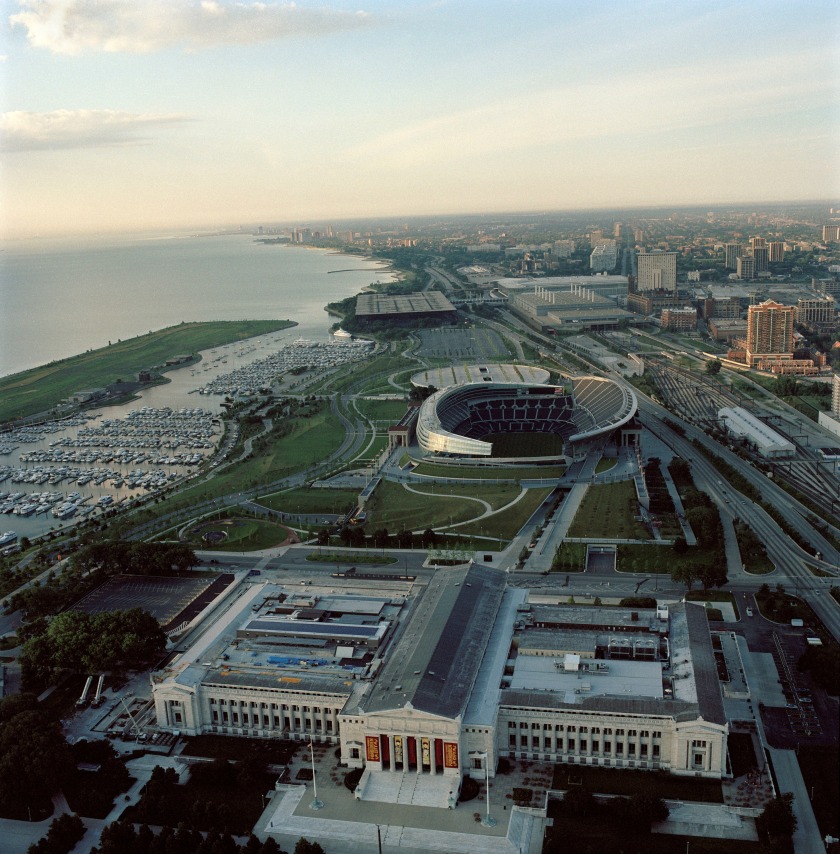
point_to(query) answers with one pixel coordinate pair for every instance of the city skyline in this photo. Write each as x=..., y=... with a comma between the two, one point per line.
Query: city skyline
x=125, y=117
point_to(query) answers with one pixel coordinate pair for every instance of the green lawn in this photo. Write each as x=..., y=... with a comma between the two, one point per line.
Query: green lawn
x=42, y=388
x=650, y=559
x=394, y=507
x=311, y=500
x=382, y=410
x=608, y=510
x=507, y=525
x=243, y=535
x=490, y=473
x=308, y=441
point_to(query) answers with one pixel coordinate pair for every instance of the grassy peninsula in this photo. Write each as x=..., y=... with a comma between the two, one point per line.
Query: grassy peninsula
x=40, y=389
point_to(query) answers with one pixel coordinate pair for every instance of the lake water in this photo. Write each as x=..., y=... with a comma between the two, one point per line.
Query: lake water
x=59, y=298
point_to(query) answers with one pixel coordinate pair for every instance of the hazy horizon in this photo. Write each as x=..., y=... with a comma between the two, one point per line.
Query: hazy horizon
x=175, y=115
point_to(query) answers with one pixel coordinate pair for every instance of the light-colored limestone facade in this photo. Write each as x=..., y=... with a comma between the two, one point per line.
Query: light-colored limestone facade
x=460, y=673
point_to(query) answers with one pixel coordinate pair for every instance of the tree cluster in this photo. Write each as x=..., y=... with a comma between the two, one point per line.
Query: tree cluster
x=634, y=814
x=354, y=536
x=34, y=757
x=777, y=824
x=88, y=643
x=121, y=838
x=136, y=558
x=97, y=561
x=65, y=831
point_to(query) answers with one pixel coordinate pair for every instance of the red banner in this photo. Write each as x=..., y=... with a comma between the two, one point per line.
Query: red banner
x=450, y=754
x=372, y=748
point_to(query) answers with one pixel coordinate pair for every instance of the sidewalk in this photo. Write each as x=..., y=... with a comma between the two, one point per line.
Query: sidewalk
x=347, y=826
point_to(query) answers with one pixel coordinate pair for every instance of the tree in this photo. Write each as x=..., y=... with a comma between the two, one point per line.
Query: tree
x=680, y=546
x=65, y=831
x=33, y=758
x=579, y=801
x=713, y=367
x=712, y=574
x=685, y=573
x=646, y=808
x=304, y=846
x=778, y=821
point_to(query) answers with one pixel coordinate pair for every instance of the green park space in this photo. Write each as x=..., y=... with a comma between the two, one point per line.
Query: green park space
x=605, y=464
x=489, y=472
x=609, y=510
x=506, y=525
x=220, y=795
x=301, y=442
x=394, y=507
x=40, y=389
x=238, y=534
x=382, y=410
x=753, y=554
x=307, y=500
x=368, y=377
x=569, y=557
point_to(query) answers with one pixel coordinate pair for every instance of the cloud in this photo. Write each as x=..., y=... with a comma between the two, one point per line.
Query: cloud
x=63, y=129
x=645, y=104
x=144, y=26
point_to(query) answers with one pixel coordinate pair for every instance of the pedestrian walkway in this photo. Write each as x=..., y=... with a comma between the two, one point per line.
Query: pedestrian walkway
x=346, y=825
x=409, y=789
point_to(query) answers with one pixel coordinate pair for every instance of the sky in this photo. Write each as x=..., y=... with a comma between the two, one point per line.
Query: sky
x=128, y=115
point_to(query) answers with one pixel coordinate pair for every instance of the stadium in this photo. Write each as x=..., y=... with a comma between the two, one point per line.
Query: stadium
x=504, y=420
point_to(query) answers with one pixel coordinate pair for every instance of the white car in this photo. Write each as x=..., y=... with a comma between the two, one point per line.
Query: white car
x=749, y=612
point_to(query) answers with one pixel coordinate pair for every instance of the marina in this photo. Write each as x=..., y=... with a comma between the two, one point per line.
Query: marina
x=263, y=373
x=93, y=463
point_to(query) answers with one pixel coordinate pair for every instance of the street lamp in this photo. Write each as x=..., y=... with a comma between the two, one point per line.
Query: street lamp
x=488, y=820
x=316, y=804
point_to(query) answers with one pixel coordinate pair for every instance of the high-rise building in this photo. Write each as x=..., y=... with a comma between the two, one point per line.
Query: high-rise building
x=831, y=234
x=745, y=267
x=815, y=311
x=777, y=251
x=733, y=252
x=756, y=242
x=657, y=271
x=835, y=395
x=769, y=331
x=603, y=257
x=761, y=259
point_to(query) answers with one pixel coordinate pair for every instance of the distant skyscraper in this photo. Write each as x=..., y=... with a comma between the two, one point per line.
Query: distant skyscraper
x=769, y=331
x=831, y=234
x=657, y=271
x=761, y=259
x=757, y=241
x=745, y=267
x=733, y=252
x=777, y=251
x=603, y=257
x=835, y=395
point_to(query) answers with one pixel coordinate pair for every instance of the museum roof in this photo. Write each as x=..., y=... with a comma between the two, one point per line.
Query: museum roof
x=434, y=663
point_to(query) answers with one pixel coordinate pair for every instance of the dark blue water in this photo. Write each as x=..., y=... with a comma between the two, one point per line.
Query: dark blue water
x=60, y=298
